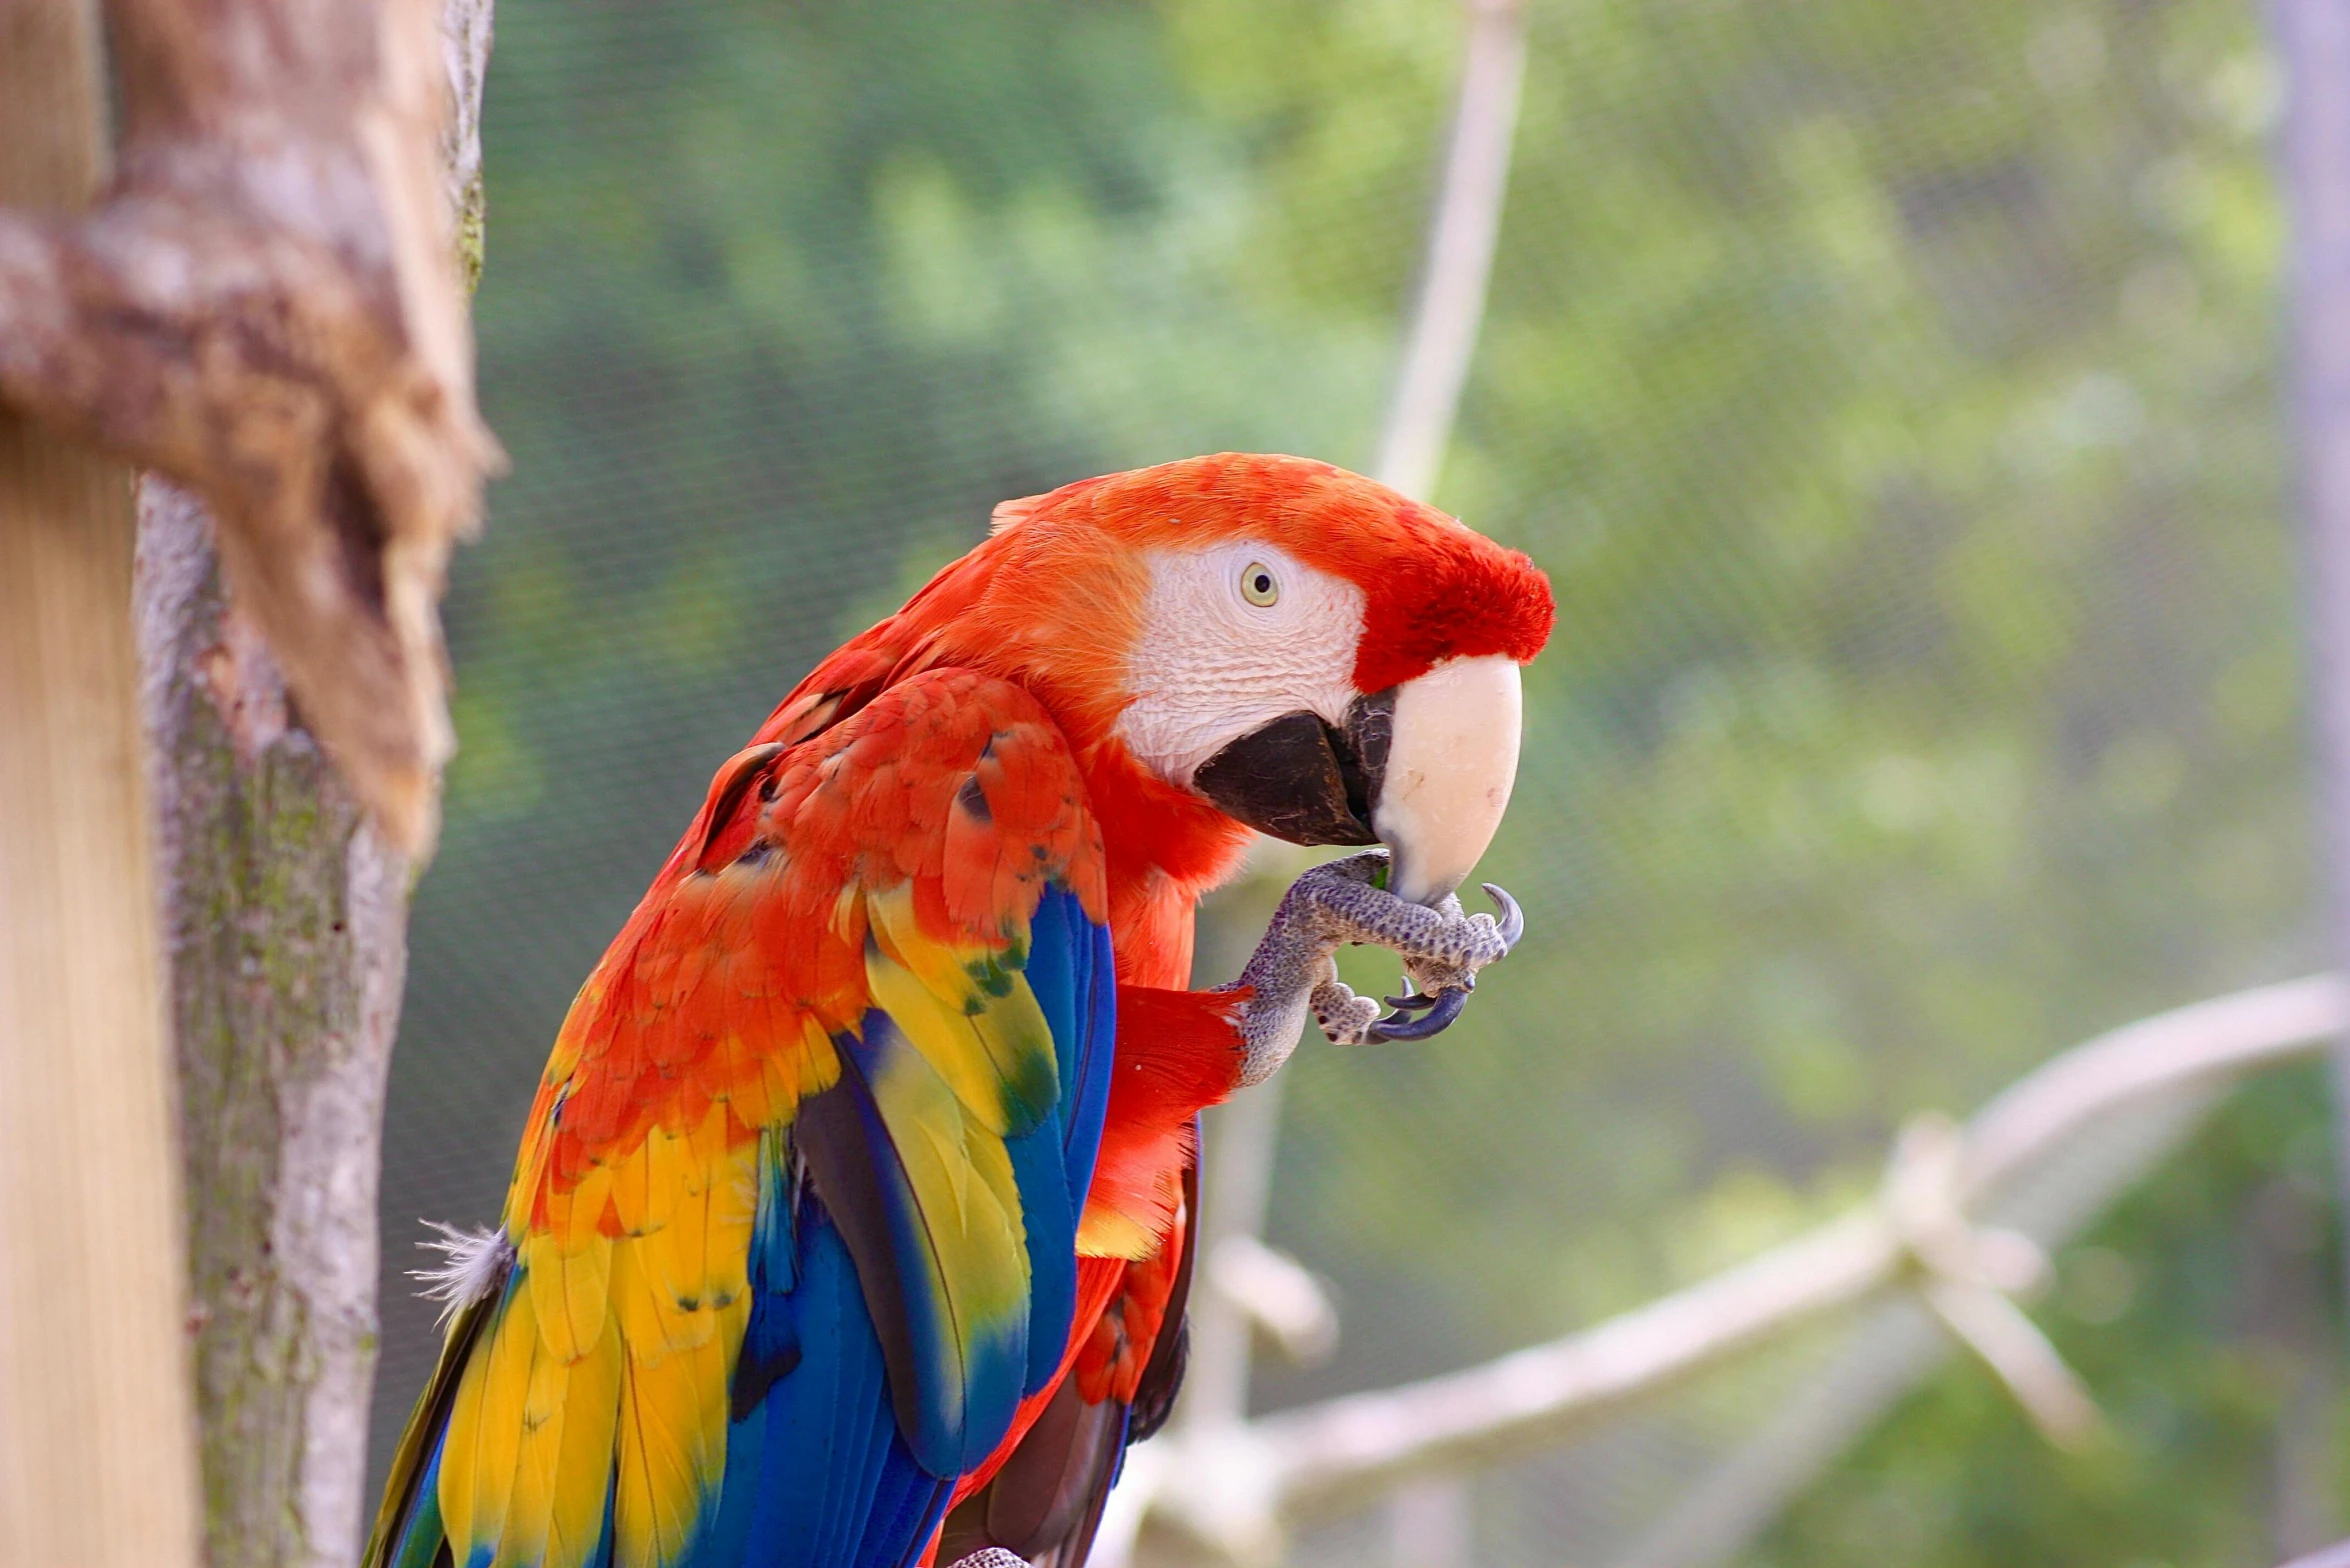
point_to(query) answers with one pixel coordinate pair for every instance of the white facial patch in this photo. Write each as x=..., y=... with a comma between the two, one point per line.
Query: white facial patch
x=1216, y=660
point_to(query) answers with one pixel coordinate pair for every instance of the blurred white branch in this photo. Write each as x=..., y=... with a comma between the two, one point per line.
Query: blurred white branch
x=1450, y=309
x=2311, y=40
x=1969, y=1274
x=1279, y=1295
x=1236, y=1488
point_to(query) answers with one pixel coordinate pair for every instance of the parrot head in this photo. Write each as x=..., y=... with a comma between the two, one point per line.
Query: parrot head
x=1292, y=646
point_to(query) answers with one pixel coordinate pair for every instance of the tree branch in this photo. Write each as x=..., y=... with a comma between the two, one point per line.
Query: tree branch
x=1236, y=1489
x=1449, y=310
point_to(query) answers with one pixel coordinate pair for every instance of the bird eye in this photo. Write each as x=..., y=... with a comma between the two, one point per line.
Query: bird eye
x=1258, y=585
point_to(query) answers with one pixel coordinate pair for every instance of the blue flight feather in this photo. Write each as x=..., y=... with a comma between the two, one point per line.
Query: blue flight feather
x=838, y=1454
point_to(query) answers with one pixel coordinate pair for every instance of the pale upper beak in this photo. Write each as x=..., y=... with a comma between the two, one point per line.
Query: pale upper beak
x=1451, y=759
x=1424, y=768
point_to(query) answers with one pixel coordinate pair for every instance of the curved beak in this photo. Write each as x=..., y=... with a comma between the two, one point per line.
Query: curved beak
x=1451, y=760
x=1424, y=768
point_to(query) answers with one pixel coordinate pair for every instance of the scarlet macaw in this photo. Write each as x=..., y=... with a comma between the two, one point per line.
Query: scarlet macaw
x=858, y=1188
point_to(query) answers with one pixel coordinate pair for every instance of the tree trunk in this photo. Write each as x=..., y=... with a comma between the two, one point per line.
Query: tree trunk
x=285, y=918
x=285, y=923
x=94, y=1459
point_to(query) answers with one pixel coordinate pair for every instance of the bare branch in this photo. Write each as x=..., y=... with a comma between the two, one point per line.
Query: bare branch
x=1337, y=1450
x=1235, y=1487
x=1450, y=309
x=1448, y=312
x=1277, y=1294
x=2206, y=1042
x=2334, y=1556
x=2311, y=41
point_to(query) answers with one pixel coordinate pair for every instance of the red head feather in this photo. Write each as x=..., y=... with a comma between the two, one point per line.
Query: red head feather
x=1053, y=601
x=1435, y=590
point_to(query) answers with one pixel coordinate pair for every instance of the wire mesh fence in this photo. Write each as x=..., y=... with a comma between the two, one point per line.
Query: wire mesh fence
x=1892, y=395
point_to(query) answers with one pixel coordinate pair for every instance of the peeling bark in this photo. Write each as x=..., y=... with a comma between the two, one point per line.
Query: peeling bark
x=265, y=309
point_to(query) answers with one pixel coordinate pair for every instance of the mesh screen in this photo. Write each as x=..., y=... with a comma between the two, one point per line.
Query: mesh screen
x=1891, y=392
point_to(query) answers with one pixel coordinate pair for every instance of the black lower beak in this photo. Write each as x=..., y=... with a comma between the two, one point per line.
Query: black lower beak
x=1303, y=779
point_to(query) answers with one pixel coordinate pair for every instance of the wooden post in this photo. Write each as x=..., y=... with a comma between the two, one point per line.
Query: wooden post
x=264, y=310
x=96, y=1465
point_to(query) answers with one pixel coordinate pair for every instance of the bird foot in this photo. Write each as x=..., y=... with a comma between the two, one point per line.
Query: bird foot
x=1292, y=971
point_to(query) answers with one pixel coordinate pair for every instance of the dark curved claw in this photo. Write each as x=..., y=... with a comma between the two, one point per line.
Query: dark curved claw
x=1417, y=1001
x=1513, y=919
x=1443, y=1008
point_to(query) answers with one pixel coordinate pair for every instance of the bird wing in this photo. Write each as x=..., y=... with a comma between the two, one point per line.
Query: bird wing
x=793, y=1230
x=1040, y=1495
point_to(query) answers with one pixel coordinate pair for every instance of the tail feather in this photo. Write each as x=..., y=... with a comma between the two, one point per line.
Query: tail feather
x=408, y=1529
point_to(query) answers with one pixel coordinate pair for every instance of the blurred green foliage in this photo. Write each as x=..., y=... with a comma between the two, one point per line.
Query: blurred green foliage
x=1891, y=392
x=2204, y=1313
